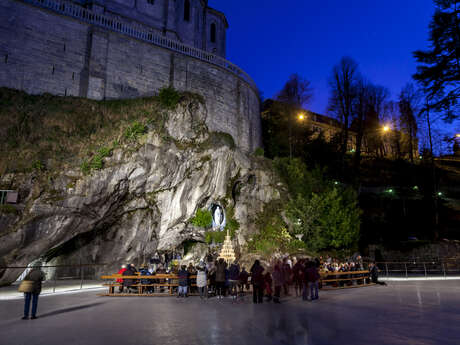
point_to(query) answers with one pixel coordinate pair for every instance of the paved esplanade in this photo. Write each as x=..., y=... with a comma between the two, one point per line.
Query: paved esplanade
x=401, y=313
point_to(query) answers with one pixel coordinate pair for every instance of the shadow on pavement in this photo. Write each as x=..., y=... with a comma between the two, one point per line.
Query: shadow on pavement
x=69, y=310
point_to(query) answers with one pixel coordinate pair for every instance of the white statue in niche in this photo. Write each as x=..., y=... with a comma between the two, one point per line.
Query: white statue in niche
x=218, y=217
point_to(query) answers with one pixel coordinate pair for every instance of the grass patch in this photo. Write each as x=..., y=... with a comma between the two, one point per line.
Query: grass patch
x=8, y=209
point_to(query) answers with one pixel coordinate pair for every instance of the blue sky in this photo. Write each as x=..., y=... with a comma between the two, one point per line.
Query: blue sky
x=272, y=39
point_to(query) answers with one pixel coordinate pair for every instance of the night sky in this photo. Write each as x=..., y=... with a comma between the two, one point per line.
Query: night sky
x=272, y=39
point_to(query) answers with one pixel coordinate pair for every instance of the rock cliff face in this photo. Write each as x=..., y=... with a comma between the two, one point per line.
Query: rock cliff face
x=141, y=200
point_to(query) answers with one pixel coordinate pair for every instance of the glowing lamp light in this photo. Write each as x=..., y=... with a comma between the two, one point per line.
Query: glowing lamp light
x=457, y=135
x=336, y=183
x=386, y=128
x=439, y=193
x=390, y=190
x=415, y=188
x=301, y=117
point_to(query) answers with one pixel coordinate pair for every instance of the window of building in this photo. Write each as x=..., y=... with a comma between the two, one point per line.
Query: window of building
x=187, y=10
x=213, y=32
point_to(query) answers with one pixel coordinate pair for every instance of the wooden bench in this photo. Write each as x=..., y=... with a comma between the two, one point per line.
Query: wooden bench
x=336, y=277
x=170, y=282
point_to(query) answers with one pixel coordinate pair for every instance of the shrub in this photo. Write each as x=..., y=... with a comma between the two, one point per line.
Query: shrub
x=203, y=218
x=169, y=97
x=38, y=166
x=97, y=162
x=135, y=130
x=259, y=152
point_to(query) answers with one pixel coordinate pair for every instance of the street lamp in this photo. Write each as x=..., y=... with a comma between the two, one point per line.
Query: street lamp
x=301, y=116
x=386, y=128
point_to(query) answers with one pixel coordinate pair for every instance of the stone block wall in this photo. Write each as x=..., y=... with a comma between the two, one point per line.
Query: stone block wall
x=41, y=51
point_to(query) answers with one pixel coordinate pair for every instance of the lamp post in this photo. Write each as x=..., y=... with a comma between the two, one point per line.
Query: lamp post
x=300, y=117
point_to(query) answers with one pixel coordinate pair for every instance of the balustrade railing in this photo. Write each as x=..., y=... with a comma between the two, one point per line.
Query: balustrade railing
x=419, y=269
x=85, y=15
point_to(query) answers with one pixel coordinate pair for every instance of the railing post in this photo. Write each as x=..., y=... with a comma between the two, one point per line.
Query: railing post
x=54, y=286
x=405, y=267
x=81, y=277
x=443, y=269
x=386, y=268
x=424, y=267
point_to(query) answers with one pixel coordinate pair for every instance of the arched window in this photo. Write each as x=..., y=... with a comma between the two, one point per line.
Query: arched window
x=213, y=32
x=187, y=10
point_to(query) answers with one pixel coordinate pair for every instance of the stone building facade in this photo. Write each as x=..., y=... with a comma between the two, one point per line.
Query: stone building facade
x=111, y=49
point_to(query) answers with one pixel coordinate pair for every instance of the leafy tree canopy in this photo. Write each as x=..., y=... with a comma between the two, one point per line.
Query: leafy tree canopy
x=439, y=67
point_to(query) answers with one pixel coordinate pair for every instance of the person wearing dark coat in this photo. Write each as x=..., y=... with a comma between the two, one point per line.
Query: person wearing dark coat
x=313, y=280
x=183, y=281
x=278, y=282
x=258, y=282
x=37, y=276
x=268, y=286
x=129, y=283
x=287, y=272
x=221, y=266
x=145, y=272
x=243, y=278
x=233, y=278
x=374, y=272
x=297, y=272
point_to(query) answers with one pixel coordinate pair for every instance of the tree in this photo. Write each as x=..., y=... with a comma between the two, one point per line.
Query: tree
x=327, y=220
x=439, y=67
x=343, y=82
x=368, y=108
x=328, y=216
x=295, y=94
x=408, y=110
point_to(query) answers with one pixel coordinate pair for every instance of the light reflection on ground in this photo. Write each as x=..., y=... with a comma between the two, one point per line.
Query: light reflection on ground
x=400, y=313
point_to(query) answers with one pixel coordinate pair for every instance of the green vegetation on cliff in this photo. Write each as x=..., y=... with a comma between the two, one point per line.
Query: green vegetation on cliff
x=46, y=132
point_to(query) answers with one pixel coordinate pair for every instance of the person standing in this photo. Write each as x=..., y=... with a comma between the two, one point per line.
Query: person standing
x=313, y=280
x=278, y=282
x=183, y=281
x=202, y=281
x=257, y=279
x=287, y=272
x=233, y=277
x=36, y=275
x=297, y=272
x=221, y=267
x=268, y=286
x=243, y=278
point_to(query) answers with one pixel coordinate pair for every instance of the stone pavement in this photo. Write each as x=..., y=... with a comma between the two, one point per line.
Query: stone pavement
x=406, y=313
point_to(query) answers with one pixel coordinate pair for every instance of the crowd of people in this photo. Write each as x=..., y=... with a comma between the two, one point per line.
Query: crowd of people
x=223, y=279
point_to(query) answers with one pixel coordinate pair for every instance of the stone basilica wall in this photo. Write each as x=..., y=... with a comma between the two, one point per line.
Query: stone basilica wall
x=42, y=51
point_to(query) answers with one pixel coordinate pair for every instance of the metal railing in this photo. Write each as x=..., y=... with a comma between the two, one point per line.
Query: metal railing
x=62, y=277
x=416, y=269
x=115, y=24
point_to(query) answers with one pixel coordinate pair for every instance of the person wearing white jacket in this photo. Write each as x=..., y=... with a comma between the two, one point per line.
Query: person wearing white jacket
x=202, y=281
